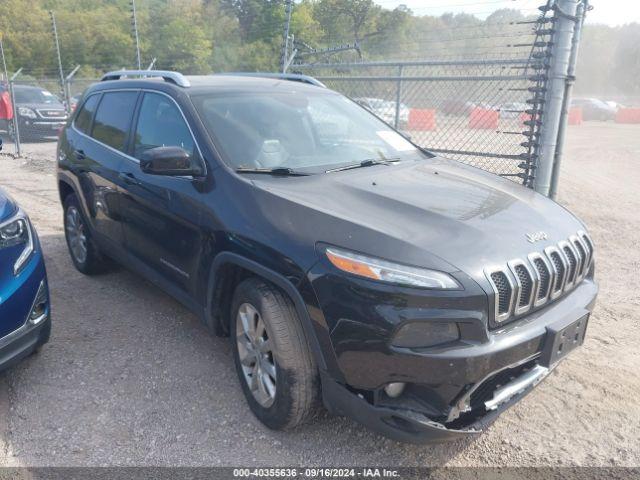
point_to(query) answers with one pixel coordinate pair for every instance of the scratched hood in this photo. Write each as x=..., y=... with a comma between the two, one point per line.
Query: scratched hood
x=435, y=213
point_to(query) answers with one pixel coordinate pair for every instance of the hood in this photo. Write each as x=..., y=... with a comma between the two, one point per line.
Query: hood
x=434, y=213
x=7, y=206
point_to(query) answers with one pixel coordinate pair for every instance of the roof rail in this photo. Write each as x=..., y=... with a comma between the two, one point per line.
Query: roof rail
x=293, y=77
x=173, y=77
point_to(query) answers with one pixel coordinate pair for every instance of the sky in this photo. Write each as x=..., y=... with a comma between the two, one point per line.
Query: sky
x=610, y=12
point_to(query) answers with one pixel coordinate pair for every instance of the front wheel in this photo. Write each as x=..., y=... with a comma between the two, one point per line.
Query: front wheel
x=84, y=254
x=272, y=356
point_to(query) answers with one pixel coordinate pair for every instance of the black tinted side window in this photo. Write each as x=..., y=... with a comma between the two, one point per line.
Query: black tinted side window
x=113, y=118
x=83, y=120
x=160, y=124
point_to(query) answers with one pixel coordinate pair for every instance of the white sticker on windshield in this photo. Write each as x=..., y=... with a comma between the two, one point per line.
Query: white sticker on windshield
x=47, y=94
x=396, y=141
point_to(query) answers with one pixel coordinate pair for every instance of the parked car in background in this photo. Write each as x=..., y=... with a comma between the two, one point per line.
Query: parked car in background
x=348, y=266
x=512, y=110
x=385, y=110
x=594, y=109
x=73, y=101
x=457, y=107
x=25, y=322
x=615, y=105
x=40, y=113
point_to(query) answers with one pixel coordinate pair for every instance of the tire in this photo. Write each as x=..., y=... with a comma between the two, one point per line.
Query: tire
x=296, y=396
x=92, y=261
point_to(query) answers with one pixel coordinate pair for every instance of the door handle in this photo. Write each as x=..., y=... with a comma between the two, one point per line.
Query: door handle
x=129, y=178
x=80, y=154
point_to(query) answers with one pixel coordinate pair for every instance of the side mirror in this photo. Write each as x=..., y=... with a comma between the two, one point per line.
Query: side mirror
x=172, y=161
x=0, y=144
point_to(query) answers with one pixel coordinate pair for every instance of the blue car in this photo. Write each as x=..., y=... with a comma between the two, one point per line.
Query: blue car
x=25, y=322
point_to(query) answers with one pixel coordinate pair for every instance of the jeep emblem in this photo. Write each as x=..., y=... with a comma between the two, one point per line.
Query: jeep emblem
x=536, y=236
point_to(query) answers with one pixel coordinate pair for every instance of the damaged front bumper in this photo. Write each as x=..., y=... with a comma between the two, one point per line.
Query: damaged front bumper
x=454, y=393
x=400, y=422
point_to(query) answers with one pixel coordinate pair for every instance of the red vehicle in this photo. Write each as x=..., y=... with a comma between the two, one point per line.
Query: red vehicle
x=6, y=109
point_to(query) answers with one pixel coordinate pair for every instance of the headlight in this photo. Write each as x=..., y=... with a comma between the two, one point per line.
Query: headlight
x=26, y=112
x=17, y=231
x=388, y=272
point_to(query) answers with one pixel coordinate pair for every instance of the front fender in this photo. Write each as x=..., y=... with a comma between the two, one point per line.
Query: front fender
x=315, y=329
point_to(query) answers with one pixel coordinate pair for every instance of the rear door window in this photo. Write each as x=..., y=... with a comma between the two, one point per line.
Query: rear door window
x=83, y=119
x=113, y=118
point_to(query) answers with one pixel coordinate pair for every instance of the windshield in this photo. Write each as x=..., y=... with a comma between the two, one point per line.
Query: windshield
x=313, y=132
x=33, y=95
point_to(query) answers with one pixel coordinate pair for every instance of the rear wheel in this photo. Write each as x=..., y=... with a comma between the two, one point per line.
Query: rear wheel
x=273, y=360
x=85, y=255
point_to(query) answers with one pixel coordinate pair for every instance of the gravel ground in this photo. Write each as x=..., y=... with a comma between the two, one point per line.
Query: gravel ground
x=131, y=378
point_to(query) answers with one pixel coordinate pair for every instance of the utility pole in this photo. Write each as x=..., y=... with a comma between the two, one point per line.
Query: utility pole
x=581, y=13
x=54, y=28
x=284, y=60
x=562, y=38
x=134, y=24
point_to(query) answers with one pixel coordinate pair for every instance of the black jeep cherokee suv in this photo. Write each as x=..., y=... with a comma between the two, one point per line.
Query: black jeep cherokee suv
x=412, y=293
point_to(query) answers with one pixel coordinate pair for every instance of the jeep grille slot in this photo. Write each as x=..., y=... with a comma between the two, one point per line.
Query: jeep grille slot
x=558, y=283
x=573, y=264
x=589, y=247
x=545, y=279
x=582, y=267
x=526, y=286
x=504, y=292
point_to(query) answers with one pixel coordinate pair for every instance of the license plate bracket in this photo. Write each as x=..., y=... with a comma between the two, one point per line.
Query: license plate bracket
x=562, y=338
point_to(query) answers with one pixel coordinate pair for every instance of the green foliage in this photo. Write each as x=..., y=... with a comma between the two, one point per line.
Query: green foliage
x=204, y=36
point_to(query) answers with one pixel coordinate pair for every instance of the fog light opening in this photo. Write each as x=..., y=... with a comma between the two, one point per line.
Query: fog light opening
x=394, y=390
x=39, y=309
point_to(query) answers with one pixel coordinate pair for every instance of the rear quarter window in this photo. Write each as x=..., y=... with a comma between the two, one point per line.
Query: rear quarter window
x=83, y=119
x=113, y=118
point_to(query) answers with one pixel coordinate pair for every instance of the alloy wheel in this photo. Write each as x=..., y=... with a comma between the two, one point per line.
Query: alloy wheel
x=76, y=234
x=255, y=350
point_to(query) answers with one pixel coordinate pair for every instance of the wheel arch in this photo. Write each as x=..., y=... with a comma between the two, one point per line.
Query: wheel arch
x=227, y=270
x=65, y=188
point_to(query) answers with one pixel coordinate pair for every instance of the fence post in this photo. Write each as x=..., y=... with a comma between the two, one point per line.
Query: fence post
x=398, y=95
x=565, y=11
x=16, y=128
x=67, y=87
x=581, y=14
x=56, y=42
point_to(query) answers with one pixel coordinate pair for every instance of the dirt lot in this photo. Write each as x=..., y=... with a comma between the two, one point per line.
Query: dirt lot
x=130, y=377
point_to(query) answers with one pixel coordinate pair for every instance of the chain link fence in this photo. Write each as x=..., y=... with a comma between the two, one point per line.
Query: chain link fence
x=478, y=112
x=486, y=112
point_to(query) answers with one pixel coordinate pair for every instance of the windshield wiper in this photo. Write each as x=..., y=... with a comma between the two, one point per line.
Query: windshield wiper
x=278, y=171
x=365, y=163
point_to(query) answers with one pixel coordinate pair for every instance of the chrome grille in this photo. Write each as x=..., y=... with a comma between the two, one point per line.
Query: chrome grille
x=560, y=268
x=572, y=260
x=503, y=291
x=524, y=284
x=544, y=278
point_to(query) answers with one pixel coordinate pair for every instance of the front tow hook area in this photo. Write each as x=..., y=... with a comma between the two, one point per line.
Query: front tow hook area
x=517, y=386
